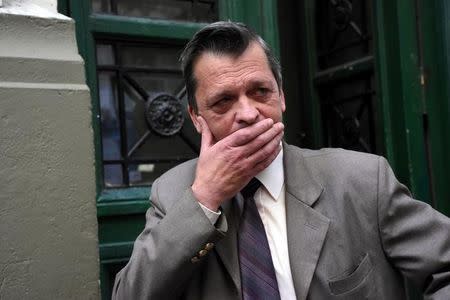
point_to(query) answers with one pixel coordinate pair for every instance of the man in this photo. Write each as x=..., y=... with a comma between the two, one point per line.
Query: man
x=328, y=224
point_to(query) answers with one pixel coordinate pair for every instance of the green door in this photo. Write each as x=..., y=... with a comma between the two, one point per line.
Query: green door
x=372, y=76
x=141, y=127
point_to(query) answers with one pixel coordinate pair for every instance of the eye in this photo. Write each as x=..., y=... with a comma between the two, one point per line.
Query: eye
x=222, y=104
x=222, y=101
x=261, y=91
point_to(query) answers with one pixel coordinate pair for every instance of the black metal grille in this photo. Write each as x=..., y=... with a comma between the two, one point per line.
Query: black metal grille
x=130, y=76
x=344, y=31
x=345, y=74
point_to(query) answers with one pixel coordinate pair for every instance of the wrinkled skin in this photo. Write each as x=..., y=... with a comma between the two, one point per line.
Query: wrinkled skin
x=239, y=116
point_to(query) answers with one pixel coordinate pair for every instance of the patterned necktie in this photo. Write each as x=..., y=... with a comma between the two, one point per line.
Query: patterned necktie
x=257, y=271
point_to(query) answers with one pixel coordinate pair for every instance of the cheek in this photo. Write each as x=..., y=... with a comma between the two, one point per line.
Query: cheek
x=273, y=111
x=221, y=126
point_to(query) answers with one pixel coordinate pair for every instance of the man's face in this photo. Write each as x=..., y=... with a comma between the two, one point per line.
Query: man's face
x=235, y=92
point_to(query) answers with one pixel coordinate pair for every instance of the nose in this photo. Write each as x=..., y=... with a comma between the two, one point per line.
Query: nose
x=247, y=112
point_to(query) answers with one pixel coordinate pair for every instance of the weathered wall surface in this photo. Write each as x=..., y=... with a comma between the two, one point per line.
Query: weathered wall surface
x=48, y=225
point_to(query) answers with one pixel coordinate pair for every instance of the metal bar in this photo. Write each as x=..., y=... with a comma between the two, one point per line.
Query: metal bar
x=139, y=143
x=192, y=145
x=346, y=46
x=122, y=117
x=363, y=144
x=365, y=64
x=333, y=101
x=113, y=5
x=141, y=91
x=357, y=29
x=364, y=25
x=182, y=92
x=364, y=103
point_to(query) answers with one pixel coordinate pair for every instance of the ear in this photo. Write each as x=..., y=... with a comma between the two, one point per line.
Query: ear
x=194, y=116
x=282, y=101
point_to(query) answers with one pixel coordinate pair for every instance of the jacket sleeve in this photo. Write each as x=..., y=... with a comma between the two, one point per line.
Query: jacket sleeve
x=415, y=237
x=161, y=263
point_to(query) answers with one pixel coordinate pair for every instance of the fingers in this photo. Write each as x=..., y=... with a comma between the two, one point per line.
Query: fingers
x=267, y=161
x=207, y=137
x=270, y=149
x=245, y=135
x=257, y=143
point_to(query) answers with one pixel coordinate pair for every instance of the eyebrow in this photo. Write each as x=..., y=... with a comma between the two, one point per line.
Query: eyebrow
x=226, y=92
x=257, y=82
x=216, y=96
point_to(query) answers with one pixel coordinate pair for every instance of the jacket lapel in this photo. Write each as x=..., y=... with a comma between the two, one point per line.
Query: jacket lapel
x=227, y=247
x=306, y=228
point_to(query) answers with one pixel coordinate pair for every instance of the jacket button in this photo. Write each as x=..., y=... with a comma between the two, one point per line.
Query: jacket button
x=202, y=252
x=195, y=259
x=209, y=246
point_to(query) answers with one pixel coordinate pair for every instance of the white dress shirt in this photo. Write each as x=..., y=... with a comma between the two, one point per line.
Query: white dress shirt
x=270, y=201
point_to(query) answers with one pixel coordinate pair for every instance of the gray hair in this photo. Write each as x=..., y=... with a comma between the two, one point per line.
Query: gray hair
x=224, y=37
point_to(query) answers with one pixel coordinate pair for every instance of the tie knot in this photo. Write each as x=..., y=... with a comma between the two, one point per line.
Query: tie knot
x=250, y=189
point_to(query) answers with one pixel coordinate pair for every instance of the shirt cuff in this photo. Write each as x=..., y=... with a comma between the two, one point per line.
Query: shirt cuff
x=213, y=216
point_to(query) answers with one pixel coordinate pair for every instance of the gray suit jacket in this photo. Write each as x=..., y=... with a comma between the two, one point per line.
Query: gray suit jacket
x=353, y=233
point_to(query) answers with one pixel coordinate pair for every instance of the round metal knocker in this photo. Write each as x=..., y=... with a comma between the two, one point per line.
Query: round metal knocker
x=164, y=114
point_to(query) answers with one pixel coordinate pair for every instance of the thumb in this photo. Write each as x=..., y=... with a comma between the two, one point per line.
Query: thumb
x=207, y=137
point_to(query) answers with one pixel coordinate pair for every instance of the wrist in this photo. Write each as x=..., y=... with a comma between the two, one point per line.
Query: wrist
x=205, y=197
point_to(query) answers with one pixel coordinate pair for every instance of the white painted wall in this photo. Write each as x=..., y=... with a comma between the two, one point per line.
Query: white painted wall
x=38, y=8
x=48, y=223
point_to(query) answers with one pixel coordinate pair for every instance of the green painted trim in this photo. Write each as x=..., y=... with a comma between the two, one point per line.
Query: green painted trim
x=389, y=83
x=260, y=15
x=80, y=11
x=105, y=262
x=313, y=109
x=436, y=29
x=109, y=251
x=252, y=14
x=127, y=207
x=398, y=68
x=231, y=10
x=141, y=27
x=132, y=193
x=269, y=21
x=412, y=100
x=127, y=201
x=345, y=71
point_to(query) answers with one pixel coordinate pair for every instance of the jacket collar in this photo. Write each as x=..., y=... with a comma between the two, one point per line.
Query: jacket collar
x=306, y=228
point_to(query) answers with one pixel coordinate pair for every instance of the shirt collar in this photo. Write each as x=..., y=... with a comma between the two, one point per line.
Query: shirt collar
x=272, y=177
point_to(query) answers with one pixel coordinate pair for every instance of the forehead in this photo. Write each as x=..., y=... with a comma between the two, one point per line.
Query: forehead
x=212, y=65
